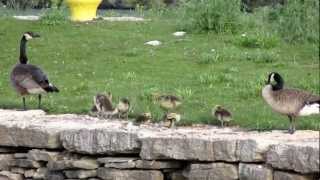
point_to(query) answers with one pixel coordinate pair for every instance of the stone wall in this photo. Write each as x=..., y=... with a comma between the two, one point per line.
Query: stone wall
x=53, y=147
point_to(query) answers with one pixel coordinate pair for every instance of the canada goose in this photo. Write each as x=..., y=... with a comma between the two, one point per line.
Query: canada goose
x=27, y=78
x=102, y=104
x=169, y=102
x=122, y=108
x=289, y=102
x=172, y=118
x=143, y=117
x=222, y=114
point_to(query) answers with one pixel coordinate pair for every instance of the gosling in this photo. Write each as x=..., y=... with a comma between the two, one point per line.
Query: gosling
x=222, y=115
x=122, y=108
x=102, y=104
x=172, y=118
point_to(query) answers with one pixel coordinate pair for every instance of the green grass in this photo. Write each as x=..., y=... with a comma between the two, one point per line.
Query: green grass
x=204, y=69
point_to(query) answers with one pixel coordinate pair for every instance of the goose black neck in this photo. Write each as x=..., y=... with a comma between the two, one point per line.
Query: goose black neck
x=23, y=54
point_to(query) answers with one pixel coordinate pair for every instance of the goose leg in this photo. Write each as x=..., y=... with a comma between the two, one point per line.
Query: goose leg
x=39, y=98
x=222, y=125
x=24, y=103
x=291, y=129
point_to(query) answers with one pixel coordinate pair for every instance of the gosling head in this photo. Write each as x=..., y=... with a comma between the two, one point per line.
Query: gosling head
x=30, y=35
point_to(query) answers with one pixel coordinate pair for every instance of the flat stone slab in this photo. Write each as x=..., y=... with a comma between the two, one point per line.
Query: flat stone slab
x=300, y=157
x=115, y=174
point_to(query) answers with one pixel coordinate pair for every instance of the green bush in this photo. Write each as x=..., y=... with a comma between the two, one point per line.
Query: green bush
x=257, y=40
x=298, y=21
x=210, y=15
x=54, y=17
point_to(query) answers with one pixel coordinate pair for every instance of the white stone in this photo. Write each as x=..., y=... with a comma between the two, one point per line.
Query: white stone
x=179, y=33
x=153, y=43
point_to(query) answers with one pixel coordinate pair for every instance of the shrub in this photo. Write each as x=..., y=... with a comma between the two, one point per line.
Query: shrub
x=298, y=21
x=53, y=17
x=257, y=40
x=210, y=15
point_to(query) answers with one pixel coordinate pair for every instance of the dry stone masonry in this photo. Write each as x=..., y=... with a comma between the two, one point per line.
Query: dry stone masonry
x=34, y=145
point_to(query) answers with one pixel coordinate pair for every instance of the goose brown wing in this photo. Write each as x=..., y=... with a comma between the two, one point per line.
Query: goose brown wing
x=297, y=97
x=29, y=77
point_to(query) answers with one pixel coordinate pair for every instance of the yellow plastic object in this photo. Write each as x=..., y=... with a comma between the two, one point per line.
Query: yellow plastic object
x=83, y=10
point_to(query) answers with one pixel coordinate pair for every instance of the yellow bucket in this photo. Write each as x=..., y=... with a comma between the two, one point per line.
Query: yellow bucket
x=83, y=10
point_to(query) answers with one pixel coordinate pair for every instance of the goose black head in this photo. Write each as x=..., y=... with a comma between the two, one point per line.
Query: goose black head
x=275, y=80
x=30, y=35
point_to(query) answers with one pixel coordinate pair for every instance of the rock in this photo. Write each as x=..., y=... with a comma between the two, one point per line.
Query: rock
x=24, y=163
x=143, y=164
x=40, y=173
x=211, y=171
x=179, y=33
x=29, y=173
x=101, y=141
x=189, y=149
x=80, y=173
x=153, y=43
x=176, y=176
x=20, y=155
x=59, y=165
x=54, y=175
x=11, y=176
x=301, y=157
x=17, y=128
x=255, y=172
x=85, y=163
x=135, y=163
x=115, y=174
x=118, y=163
x=42, y=155
x=4, y=161
x=254, y=150
x=17, y=170
x=278, y=175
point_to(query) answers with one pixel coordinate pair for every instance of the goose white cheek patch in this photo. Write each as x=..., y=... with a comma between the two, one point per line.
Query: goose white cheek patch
x=310, y=109
x=28, y=37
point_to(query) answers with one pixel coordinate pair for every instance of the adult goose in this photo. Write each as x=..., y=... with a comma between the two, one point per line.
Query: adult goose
x=29, y=79
x=289, y=102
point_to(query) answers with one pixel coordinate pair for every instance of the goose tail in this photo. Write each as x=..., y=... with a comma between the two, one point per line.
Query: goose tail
x=51, y=88
x=310, y=108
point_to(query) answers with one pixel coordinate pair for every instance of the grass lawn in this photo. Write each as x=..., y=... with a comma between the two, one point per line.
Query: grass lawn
x=204, y=69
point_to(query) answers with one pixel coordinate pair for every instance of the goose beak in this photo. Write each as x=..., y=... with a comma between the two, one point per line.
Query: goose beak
x=35, y=35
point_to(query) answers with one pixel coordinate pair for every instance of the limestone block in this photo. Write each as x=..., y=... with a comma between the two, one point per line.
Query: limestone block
x=254, y=172
x=300, y=157
x=211, y=171
x=116, y=174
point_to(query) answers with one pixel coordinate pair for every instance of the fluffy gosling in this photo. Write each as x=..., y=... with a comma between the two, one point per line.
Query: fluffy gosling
x=122, y=108
x=222, y=115
x=102, y=104
x=172, y=118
